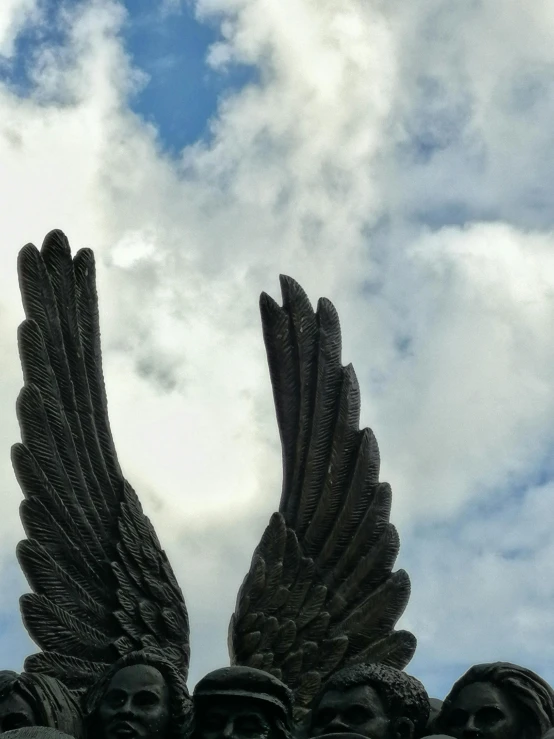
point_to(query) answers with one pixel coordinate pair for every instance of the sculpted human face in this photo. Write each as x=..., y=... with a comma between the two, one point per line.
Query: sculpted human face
x=15, y=713
x=135, y=705
x=232, y=718
x=483, y=711
x=358, y=709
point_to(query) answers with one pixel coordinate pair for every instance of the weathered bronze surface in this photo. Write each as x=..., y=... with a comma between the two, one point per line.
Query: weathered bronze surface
x=374, y=700
x=313, y=646
x=240, y=703
x=498, y=701
x=35, y=699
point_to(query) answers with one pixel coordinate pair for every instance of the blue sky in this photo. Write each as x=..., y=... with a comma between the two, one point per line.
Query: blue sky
x=179, y=93
x=397, y=160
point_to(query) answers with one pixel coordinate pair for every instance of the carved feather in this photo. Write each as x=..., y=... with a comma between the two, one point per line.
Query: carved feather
x=323, y=569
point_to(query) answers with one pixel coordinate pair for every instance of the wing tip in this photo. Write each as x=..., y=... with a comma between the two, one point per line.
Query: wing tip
x=85, y=258
x=293, y=293
x=28, y=255
x=56, y=240
x=267, y=303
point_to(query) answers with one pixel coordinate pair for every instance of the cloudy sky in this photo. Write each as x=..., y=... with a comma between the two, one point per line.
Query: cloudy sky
x=397, y=158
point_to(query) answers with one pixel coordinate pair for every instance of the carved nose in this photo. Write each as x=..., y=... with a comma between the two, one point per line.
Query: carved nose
x=228, y=730
x=336, y=726
x=125, y=709
x=471, y=731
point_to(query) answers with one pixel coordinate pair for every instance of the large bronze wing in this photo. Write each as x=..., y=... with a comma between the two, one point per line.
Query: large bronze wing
x=102, y=586
x=320, y=593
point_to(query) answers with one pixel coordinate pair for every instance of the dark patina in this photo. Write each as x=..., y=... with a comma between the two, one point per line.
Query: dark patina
x=316, y=614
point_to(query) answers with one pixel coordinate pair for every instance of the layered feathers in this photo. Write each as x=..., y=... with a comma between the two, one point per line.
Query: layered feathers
x=101, y=584
x=320, y=593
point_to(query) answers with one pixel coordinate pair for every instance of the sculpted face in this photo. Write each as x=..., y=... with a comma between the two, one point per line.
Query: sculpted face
x=483, y=711
x=15, y=713
x=358, y=709
x=230, y=717
x=135, y=705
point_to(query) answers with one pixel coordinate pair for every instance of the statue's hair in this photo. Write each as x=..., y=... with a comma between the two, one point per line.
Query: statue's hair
x=525, y=688
x=53, y=704
x=403, y=695
x=180, y=704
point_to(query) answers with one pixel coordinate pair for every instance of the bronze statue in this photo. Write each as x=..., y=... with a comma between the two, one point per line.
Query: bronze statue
x=320, y=593
x=141, y=696
x=371, y=700
x=316, y=613
x=498, y=700
x=242, y=703
x=37, y=700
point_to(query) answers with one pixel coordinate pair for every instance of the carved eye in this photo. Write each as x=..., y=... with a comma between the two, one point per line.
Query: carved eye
x=146, y=698
x=114, y=699
x=249, y=725
x=457, y=718
x=324, y=717
x=488, y=716
x=358, y=715
x=214, y=721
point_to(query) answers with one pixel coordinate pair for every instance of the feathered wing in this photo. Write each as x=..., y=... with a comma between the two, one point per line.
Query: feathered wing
x=320, y=593
x=102, y=586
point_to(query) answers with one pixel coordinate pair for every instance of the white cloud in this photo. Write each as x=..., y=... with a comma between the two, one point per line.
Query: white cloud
x=14, y=15
x=394, y=159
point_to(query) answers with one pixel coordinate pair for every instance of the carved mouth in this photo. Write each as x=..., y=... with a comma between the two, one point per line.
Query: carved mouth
x=124, y=729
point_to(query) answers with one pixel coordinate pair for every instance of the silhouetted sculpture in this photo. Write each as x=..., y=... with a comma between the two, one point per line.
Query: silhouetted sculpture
x=320, y=593
x=371, y=700
x=141, y=696
x=37, y=700
x=242, y=703
x=498, y=701
x=315, y=615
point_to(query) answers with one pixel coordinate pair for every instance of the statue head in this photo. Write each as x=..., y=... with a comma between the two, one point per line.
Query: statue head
x=372, y=700
x=141, y=696
x=31, y=699
x=242, y=703
x=497, y=701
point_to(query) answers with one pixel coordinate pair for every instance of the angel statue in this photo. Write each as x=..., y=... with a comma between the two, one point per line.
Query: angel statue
x=320, y=594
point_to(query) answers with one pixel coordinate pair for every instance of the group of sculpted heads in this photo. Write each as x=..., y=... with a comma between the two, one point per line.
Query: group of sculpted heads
x=142, y=696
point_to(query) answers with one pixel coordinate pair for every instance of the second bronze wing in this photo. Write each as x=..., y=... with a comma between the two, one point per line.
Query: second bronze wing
x=321, y=592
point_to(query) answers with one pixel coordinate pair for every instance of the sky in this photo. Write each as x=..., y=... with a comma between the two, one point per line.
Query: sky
x=396, y=158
